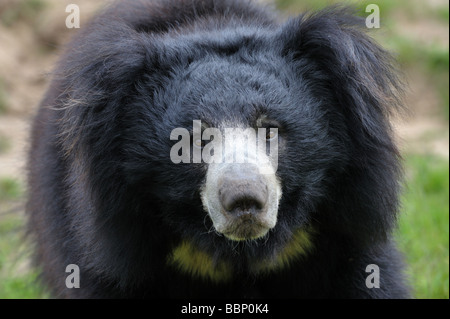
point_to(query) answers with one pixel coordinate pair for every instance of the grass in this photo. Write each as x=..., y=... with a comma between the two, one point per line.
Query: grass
x=438, y=70
x=423, y=228
x=17, y=278
x=26, y=10
x=3, y=103
x=9, y=189
x=5, y=144
x=387, y=7
x=431, y=61
x=442, y=14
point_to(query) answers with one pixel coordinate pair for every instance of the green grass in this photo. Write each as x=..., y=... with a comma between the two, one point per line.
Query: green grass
x=17, y=277
x=437, y=64
x=432, y=61
x=423, y=229
x=442, y=14
x=387, y=7
x=26, y=10
x=3, y=103
x=4, y=144
x=9, y=189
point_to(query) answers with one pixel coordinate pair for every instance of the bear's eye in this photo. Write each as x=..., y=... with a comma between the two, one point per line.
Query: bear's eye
x=271, y=134
x=199, y=143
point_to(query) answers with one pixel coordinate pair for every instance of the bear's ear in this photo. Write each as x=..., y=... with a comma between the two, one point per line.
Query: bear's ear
x=331, y=48
x=101, y=61
x=97, y=76
x=361, y=74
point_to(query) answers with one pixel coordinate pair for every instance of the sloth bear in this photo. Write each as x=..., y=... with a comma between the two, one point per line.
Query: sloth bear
x=143, y=175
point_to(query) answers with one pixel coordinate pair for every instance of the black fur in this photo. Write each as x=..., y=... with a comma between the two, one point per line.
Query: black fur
x=104, y=194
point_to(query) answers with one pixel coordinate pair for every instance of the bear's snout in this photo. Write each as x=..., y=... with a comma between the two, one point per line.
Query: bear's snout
x=242, y=191
x=242, y=202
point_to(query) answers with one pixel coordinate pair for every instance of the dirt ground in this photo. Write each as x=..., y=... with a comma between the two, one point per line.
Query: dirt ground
x=29, y=50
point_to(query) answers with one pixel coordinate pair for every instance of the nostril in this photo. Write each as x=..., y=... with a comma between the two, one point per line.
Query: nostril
x=242, y=190
x=242, y=202
x=245, y=204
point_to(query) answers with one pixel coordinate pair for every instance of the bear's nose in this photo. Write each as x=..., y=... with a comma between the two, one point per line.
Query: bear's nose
x=242, y=191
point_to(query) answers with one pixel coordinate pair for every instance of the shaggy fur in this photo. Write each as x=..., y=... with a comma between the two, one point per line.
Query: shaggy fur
x=103, y=193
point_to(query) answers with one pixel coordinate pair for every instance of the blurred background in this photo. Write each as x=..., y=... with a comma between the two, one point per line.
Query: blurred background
x=416, y=31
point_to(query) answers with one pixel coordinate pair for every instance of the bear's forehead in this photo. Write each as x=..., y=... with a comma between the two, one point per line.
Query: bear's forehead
x=231, y=70
x=228, y=85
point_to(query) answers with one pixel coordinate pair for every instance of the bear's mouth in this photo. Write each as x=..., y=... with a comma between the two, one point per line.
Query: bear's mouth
x=246, y=227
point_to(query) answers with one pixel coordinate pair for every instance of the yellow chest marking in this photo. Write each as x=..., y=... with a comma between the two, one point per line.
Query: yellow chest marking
x=297, y=247
x=197, y=263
